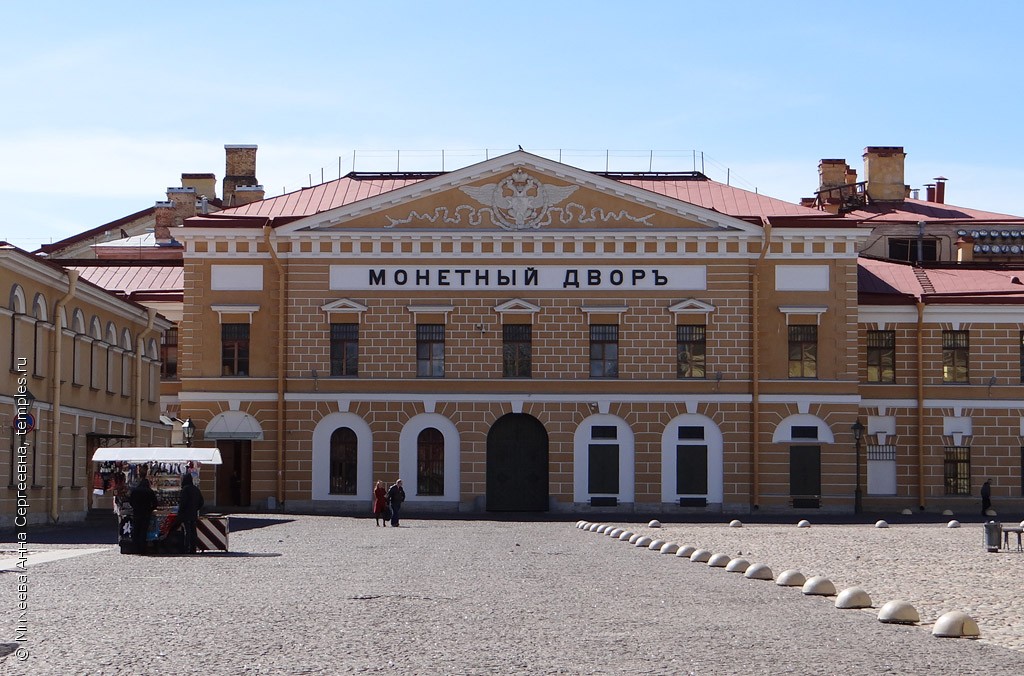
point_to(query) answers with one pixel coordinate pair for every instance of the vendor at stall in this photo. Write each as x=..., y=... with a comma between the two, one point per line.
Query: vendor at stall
x=144, y=503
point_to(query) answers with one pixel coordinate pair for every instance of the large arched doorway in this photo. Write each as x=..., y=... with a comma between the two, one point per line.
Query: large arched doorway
x=517, y=465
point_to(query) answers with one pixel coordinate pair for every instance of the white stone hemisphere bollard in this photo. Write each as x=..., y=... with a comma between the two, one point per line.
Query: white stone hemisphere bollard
x=854, y=597
x=626, y=535
x=656, y=545
x=669, y=548
x=1022, y=524
x=643, y=541
x=700, y=556
x=737, y=566
x=907, y=511
x=898, y=611
x=593, y=527
x=601, y=529
x=614, y=532
x=953, y=524
x=819, y=586
x=633, y=537
x=791, y=578
x=759, y=571
x=804, y=523
x=654, y=523
x=685, y=551
x=956, y=624
x=580, y=523
x=881, y=523
x=991, y=512
x=735, y=523
x=719, y=560
x=947, y=512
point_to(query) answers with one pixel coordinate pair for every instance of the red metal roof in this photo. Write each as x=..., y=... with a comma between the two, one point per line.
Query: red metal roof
x=962, y=284
x=131, y=281
x=918, y=210
x=691, y=188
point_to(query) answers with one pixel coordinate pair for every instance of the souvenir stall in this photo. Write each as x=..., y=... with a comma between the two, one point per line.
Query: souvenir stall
x=121, y=469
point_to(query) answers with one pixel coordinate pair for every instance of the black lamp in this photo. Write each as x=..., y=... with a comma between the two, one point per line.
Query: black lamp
x=858, y=431
x=188, y=431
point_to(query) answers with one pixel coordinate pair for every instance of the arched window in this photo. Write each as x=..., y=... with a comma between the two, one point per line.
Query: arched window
x=96, y=333
x=38, y=332
x=344, y=448
x=430, y=462
x=126, y=363
x=78, y=328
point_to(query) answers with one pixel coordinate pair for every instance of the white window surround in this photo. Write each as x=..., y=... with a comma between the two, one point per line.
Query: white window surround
x=430, y=309
x=691, y=306
x=792, y=310
x=322, y=457
x=712, y=439
x=581, y=458
x=604, y=309
x=517, y=306
x=784, y=432
x=407, y=457
x=224, y=309
x=343, y=305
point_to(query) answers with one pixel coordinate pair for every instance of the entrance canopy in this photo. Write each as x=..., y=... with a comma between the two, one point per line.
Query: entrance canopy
x=234, y=425
x=206, y=456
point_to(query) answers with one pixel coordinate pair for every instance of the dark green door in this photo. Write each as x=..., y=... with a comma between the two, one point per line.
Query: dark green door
x=517, y=465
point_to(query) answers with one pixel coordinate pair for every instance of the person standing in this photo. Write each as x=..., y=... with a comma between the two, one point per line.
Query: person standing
x=143, y=502
x=189, y=504
x=396, y=496
x=380, y=503
x=986, y=497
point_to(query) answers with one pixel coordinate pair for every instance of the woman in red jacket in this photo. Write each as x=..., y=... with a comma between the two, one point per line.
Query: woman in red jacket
x=380, y=504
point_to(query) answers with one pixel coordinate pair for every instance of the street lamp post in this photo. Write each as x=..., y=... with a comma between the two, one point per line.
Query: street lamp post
x=858, y=430
x=188, y=431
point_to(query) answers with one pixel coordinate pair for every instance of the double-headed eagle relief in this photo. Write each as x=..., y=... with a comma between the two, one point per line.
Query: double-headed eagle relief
x=519, y=202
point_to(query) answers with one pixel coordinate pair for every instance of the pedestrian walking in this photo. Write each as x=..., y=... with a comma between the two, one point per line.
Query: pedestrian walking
x=189, y=504
x=380, y=503
x=143, y=502
x=396, y=496
x=986, y=497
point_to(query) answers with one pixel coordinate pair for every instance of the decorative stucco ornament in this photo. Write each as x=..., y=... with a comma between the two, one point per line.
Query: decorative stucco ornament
x=519, y=201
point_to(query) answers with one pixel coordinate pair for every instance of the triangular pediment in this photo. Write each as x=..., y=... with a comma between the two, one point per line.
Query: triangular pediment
x=517, y=306
x=691, y=306
x=520, y=192
x=343, y=305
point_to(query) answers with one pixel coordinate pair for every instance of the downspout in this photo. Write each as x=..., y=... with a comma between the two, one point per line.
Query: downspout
x=281, y=352
x=140, y=351
x=56, y=351
x=920, y=404
x=755, y=366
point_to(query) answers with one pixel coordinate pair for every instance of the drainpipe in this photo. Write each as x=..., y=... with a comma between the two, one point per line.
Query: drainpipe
x=920, y=404
x=55, y=391
x=755, y=366
x=281, y=351
x=140, y=351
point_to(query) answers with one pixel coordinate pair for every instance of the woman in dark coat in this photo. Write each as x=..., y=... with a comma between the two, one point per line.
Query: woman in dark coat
x=143, y=502
x=396, y=496
x=189, y=504
x=380, y=503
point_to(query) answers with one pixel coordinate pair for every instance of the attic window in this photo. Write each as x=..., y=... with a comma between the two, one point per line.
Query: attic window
x=905, y=249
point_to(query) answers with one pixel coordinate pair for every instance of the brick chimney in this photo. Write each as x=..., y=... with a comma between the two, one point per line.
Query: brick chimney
x=940, y=189
x=965, y=249
x=205, y=184
x=248, y=193
x=184, y=201
x=240, y=171
x=165, y=212
x=883, y=171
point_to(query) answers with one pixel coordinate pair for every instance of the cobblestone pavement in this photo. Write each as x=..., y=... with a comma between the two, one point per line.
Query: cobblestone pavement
x=325, y=595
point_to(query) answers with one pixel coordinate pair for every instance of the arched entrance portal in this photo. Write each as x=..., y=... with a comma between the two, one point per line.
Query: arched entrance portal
x=517, y=465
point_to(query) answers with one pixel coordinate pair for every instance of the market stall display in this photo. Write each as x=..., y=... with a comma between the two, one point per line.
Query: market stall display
x=123, y=468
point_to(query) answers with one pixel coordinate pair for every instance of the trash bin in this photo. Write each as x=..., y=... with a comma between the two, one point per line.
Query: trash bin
x=993, y=535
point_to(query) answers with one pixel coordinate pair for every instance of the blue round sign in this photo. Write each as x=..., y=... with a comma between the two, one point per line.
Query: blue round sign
x=23, y=424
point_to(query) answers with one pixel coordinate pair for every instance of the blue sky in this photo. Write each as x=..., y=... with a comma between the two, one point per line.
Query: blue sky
x=105, y=105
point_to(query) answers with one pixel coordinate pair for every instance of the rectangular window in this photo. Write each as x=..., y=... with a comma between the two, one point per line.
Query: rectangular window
x=345, y=350
x=604, y=432
x=804, y=432
x=955, y=351
x=169, y=354
x=691, y=345
x=430, y=350
x=803, y=351
x=881, y=356
x=603, y=468
x=957, y=470
x=906, y=249
x=234, y=349
x=74, y=460
x=111, y=369
x=37, y=348
x=690, y=432
x=76, y=360
x=517, y=350
x=692, y=470
x=604, y=351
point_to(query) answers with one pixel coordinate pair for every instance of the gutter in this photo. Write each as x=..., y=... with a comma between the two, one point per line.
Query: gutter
x=140, y=351
x=755, y=366
x=920, y=404
x=281, y=352
x=56, y=352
